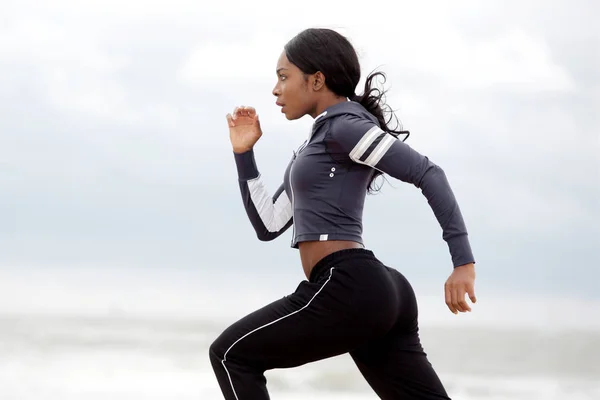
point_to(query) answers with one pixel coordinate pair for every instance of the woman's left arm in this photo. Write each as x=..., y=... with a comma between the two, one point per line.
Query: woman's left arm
x=366, y=144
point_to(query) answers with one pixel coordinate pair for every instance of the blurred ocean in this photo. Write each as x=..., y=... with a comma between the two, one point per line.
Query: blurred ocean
x=123, y=334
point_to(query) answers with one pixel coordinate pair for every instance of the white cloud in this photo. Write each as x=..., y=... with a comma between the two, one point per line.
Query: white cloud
x=106, y=104
x=74, y=75
x=251, y=59
x=69, y=72
x=438, y=49
x=514, y=58
x=42, y=41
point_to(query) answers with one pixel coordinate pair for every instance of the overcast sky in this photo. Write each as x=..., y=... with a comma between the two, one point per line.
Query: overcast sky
x=114, y=150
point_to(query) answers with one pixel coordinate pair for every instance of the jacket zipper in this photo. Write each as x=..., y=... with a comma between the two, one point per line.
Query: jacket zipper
x=293, y=204
x=292, y=192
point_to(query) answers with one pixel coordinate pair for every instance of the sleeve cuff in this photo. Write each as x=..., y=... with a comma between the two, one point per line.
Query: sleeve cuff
x=246, y=165
x=460, y=250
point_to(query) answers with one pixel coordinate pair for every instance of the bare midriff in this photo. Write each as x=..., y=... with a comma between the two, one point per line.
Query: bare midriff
x=312, y=252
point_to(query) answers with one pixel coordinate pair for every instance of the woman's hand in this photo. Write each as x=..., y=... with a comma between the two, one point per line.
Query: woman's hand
x=460, y=283
x=244, y=128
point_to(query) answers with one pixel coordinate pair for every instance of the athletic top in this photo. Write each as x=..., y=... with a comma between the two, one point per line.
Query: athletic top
x=325, y=183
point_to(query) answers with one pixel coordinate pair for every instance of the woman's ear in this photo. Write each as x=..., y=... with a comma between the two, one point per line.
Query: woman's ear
x=317, y=81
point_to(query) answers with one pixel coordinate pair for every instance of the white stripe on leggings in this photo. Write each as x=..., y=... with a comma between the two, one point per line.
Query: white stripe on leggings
x=263, y=326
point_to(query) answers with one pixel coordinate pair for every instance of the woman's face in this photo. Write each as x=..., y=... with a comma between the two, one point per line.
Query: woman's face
x=292, y=89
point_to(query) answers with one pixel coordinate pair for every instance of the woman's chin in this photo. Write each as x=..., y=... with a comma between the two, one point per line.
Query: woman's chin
x=290, y=116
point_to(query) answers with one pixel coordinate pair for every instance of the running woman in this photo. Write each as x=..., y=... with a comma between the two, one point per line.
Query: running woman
x=350, y=302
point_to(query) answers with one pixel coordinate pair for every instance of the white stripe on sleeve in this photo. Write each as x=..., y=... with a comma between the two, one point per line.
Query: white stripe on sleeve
x=380, y=150
x=273, y=215
x=363, y=144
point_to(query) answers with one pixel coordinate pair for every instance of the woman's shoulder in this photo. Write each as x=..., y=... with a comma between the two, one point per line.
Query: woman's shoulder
x=351, y=126
x=344, y=130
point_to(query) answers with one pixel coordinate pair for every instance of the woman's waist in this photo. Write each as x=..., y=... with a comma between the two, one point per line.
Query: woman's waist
x=313, y=252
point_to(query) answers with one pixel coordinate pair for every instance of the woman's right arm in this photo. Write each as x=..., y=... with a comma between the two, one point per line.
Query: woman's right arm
x=270, y=215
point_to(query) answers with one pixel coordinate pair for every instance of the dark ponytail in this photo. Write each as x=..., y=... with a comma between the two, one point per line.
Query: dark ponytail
x=331, y=53
x=373, y=99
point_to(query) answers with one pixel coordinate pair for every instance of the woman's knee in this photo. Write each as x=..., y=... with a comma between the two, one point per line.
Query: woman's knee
x=225, y=347
x=218, y=348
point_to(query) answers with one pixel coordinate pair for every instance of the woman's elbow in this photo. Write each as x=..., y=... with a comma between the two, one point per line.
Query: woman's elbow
x=265, y=236
x=432, y=172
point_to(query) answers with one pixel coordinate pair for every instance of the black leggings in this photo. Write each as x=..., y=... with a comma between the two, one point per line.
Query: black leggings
x=352, y=303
